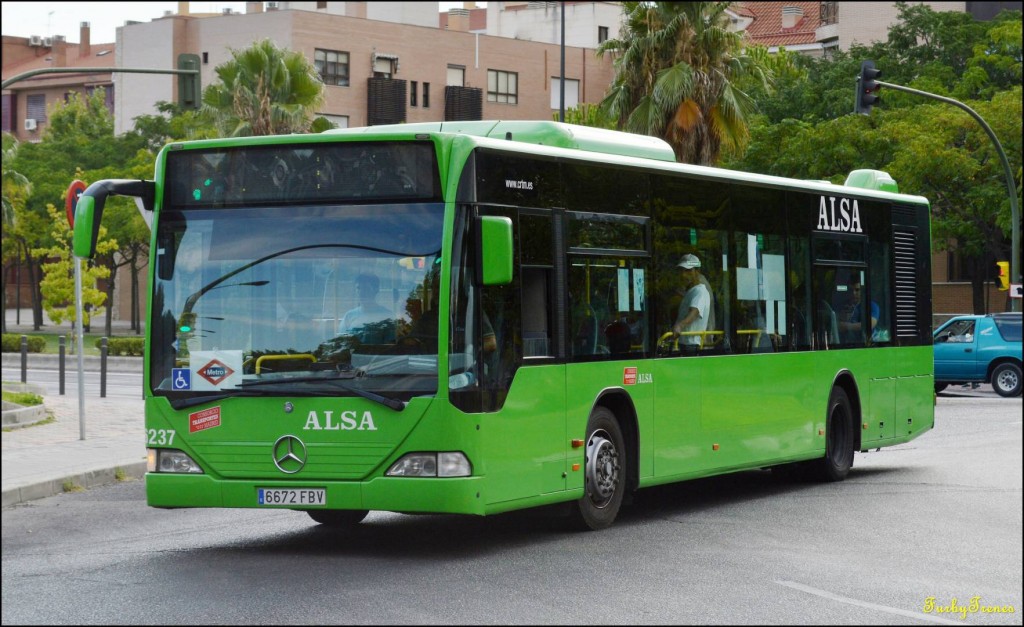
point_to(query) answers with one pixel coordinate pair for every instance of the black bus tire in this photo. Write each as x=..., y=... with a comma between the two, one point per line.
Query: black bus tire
x=839, y=438
x=605, y=467
x=338, y=517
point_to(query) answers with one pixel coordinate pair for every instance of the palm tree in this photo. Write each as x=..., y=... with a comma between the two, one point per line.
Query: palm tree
x=265, y=90
x=678, y=72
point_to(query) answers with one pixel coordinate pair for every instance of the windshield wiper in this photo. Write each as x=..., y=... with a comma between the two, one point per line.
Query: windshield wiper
x=330, y=383
x=182, y=403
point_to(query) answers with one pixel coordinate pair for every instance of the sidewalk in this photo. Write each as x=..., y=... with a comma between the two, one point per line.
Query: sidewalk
x=40, y=460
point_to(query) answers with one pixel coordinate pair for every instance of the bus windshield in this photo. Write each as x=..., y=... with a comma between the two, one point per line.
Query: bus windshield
x=314, y=299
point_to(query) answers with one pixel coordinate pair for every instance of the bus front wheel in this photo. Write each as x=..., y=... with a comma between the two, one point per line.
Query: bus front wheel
x=605, y=472
x=839, y=438
x=338, y=517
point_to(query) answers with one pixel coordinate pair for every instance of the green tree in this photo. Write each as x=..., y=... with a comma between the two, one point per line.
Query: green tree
x=58, y=286
x=172, y=123
x=264, y=90
x=586, y=114
x=78, y=142
x=945, y=156
x=16, y=187
x=678, y=71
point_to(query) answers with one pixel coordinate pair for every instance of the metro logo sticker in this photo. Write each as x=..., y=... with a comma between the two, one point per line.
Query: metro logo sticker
x=629, y=376
x=215, y=371
x=206, y=419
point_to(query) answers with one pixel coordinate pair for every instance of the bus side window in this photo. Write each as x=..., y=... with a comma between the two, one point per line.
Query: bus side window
x=536, y=305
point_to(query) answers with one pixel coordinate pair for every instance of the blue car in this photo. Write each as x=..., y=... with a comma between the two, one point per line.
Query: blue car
x=980, y=349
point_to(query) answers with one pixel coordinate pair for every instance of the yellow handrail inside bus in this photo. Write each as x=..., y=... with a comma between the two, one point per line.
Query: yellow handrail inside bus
x=264, y=358
x=707, y=338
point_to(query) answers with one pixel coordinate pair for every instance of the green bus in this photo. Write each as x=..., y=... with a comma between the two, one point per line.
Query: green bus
x=478, y=317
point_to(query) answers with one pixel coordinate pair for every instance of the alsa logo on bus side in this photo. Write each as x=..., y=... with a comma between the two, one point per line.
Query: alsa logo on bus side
x=847, y=220
x=346, y=421
x=630, y=376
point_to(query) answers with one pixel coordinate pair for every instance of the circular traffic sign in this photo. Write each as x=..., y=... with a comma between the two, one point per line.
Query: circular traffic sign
x=75, y=191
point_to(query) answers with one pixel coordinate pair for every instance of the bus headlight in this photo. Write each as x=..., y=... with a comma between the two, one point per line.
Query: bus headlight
x=170, y=460
x=431, y=465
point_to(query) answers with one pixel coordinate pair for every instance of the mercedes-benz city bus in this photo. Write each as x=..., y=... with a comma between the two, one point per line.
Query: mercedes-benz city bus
x=476, y=317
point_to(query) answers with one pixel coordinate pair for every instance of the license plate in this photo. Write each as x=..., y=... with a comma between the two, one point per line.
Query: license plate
x=292, y=496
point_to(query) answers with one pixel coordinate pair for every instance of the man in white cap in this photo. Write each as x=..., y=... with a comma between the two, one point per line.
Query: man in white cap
x=696, y=304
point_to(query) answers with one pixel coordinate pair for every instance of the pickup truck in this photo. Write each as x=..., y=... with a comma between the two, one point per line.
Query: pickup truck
x=980, y=349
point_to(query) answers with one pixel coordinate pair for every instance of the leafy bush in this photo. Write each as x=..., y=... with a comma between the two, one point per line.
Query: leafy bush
x=26, y=399
x=123, y=346
x=12, y=343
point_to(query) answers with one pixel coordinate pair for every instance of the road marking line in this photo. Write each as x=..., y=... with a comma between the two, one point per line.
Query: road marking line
x=865, y=604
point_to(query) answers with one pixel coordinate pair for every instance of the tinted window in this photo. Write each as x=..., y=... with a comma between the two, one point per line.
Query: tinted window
x=337, y=172
x=513, y=180
x=1009, y=328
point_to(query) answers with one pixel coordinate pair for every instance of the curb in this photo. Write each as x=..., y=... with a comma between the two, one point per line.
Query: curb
x=88, y=479
x=17, y=416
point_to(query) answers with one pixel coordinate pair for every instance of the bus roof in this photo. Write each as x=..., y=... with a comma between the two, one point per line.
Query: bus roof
x=543, y=133
x=527, y=136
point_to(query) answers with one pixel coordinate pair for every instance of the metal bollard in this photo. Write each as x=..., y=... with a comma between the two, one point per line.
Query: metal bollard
x=62, y=342
x=103, y=367
x=24, y=358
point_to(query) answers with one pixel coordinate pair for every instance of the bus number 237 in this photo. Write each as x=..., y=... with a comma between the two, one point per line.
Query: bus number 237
x=163, y=437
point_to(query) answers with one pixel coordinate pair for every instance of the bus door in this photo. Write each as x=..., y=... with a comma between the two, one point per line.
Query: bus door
x=520, y=391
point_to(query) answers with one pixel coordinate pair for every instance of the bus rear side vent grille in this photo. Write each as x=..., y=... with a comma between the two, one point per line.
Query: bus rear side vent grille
x=904, y=247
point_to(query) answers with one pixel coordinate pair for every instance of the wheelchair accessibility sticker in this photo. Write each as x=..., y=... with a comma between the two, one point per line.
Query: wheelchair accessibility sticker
x=181, y=379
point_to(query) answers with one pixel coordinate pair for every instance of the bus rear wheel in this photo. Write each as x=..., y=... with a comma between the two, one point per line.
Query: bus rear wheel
x=605, y=473
x=338, y=517
x=839, y=440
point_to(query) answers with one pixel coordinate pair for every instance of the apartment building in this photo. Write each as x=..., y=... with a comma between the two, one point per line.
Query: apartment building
x=376, y=71
x=26, y=103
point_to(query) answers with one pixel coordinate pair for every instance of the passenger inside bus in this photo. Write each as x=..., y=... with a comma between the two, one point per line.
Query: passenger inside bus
x=371, y=322
x=851, y=322
x=692, y=318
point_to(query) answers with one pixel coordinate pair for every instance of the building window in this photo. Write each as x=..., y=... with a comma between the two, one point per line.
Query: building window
x=829, y=13
x=332, y=66
x=384, y=66
x=413, y=86
x=572, y=92
x=456, y=75
x=35, y=107
x=339, y=121
x=321, y=5
x=426, y=95
x=502, y=87
x=602, y=34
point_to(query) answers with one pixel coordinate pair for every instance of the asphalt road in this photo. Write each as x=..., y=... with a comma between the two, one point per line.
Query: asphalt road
x=939, y=518
x=119, y=384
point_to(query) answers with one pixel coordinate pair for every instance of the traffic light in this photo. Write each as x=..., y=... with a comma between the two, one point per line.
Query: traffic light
x=189, y=90
x=867, y=88
x=1003, y=278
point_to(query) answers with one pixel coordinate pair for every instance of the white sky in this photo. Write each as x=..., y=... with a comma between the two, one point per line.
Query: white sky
x=23, y=19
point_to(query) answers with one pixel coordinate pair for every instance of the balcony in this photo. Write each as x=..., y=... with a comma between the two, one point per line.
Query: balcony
x=463, y=103
x=385, y=101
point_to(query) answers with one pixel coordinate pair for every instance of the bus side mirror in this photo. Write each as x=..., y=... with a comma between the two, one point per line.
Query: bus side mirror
x=86, y=229
x=89, y=210
x=495, y=250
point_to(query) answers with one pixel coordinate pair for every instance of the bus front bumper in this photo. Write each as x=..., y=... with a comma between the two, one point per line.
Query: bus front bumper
x=460, y=495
